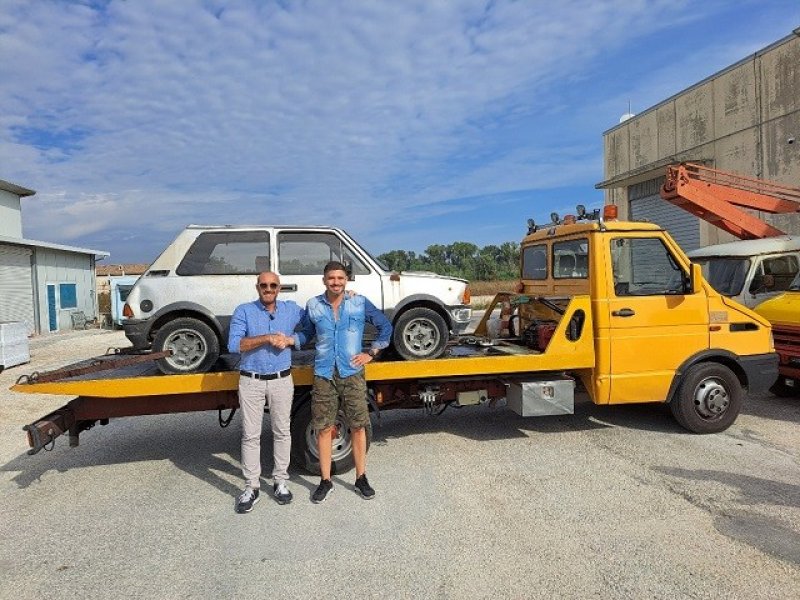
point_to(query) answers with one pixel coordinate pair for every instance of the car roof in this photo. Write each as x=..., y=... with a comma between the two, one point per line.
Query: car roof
x=784, y=243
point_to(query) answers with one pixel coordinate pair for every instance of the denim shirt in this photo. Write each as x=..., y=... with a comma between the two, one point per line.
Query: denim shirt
x=339, y=341
x=252, y=319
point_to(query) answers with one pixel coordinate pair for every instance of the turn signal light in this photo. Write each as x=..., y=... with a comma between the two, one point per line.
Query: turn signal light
x=127, y=311
x=467, y=297
x=569, y=219
x=609, y=212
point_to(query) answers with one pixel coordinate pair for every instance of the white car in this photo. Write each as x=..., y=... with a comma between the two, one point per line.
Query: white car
x=184, y=301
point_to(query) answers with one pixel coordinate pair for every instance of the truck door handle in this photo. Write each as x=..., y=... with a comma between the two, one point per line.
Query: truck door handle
x=289, y=287
x=623, y=312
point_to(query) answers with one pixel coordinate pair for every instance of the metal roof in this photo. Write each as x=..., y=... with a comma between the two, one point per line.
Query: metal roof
x=15, y=189
x=37, y=244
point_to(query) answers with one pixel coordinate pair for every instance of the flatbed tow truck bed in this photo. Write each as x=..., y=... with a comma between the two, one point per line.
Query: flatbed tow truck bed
x=110, y=386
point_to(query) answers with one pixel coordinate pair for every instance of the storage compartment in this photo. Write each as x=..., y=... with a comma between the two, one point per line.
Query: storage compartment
x=541, y=397
x=14, y=349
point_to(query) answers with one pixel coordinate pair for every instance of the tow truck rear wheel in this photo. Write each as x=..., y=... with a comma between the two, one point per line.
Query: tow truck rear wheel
x=194, y=346
x=304, y=441
x=709, y=398
x=420, y=333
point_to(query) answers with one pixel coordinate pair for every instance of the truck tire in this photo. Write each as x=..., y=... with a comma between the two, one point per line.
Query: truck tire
x=781, y=389
x=194, y=345
x=304, y=442
x=708, y=399
x=420, y=333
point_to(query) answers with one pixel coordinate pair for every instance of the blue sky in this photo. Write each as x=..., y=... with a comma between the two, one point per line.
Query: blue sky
x=408, y=123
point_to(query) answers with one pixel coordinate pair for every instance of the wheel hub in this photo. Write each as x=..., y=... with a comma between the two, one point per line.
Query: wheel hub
x=188, y=348
x=711, y=398
x=421, y=336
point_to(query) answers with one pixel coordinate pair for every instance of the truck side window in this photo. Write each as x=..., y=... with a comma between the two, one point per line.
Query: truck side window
x=534, y=262
x=645, y=267
x=307, y=253
x=227, y=253
x=571, y=259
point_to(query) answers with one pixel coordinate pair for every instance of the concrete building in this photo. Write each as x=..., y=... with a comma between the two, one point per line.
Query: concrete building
x=746, y=118
x=41, y=284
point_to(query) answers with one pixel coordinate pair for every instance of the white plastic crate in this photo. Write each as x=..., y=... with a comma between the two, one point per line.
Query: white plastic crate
x=14, y=348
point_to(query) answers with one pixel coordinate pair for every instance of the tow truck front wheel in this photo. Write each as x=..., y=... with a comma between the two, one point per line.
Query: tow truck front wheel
x=194, y=346
x=304, y=442
x=709, y=398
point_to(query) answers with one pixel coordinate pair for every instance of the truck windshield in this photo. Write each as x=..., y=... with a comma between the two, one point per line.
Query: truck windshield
x=726, y=275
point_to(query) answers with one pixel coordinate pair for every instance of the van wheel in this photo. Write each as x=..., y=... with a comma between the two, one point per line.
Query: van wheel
x=304, y=442
x=708, y=399
x=194, y=346
x=420, y=333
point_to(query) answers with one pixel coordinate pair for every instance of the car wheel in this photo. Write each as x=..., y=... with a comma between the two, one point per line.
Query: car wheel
x=194, y=346
x=709, y=398
x=304, y=442
x=420, y=333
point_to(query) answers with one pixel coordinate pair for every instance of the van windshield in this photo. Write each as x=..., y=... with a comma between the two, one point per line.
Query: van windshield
x=726, y=275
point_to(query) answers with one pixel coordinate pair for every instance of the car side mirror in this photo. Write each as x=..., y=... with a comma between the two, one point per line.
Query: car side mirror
x=695, y=277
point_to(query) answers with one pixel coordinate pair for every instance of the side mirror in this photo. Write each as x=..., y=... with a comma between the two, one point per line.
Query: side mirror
x=695, y=277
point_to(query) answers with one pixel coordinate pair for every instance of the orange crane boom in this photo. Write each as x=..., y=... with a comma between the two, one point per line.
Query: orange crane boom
x=719, y=198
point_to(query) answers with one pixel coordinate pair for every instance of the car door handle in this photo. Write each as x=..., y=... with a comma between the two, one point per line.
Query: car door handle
x=623, y=312
x=289, y=287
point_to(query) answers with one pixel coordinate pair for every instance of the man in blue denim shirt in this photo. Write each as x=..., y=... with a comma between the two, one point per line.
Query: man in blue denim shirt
x=338, y=323
x=262, y=332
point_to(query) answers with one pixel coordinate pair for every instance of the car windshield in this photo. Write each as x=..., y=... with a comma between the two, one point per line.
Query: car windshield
x=726, y=275
x=795, y=285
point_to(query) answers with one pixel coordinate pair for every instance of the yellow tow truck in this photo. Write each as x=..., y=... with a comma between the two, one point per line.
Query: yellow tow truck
x=614, y=308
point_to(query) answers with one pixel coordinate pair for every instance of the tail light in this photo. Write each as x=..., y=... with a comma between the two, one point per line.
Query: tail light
x=127, y=311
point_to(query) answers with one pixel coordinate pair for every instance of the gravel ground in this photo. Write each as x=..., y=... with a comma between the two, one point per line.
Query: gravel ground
x=610, y=502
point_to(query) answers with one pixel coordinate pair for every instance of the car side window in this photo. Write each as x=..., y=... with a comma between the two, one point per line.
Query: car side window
x=645, y=267
x=227, y=253
x=307, y=253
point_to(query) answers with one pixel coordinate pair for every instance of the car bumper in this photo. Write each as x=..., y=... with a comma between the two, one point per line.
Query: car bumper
x=460, y=316
x=761, y=371
x=137, y=331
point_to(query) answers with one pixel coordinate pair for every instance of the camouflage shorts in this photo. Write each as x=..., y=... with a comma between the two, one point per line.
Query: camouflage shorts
x=349, y=393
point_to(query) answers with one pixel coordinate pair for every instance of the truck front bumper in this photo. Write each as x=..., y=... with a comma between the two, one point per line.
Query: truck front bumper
x=137, y=330
x=761, y=371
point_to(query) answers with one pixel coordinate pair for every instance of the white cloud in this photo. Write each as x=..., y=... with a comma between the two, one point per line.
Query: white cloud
x=155, y=114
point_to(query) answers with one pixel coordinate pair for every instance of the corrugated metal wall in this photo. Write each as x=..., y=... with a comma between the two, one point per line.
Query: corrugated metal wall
x=646, y=203
x=54, y=267
x=16, y=286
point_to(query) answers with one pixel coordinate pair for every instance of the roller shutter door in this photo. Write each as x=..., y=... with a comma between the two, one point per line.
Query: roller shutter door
x=16, y=287
x=646, y=204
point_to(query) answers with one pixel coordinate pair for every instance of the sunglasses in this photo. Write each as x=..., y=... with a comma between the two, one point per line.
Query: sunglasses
x=268, y=286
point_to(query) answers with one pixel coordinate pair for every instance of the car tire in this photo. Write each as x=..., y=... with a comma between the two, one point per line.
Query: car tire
x=708, y=399
x=194, y=345
x=304, y=441
x=420, y=333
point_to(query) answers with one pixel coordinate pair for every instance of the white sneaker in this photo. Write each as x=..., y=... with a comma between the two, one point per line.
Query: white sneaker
x=282, y=493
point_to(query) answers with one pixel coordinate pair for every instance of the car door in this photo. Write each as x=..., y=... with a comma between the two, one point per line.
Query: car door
x=654, y=323
x=302, y=256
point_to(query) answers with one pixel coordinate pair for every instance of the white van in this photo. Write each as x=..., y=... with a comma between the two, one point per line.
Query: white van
x=750, y=271
x=185, y=299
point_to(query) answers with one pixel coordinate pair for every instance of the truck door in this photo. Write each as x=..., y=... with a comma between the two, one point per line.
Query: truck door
x=302, y=255
x=654, y=324
x=771, y=276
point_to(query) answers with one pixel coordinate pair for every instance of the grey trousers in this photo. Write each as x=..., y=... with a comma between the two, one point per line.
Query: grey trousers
x=253, y=394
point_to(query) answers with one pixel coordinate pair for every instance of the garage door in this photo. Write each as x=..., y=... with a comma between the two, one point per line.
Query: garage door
x=645, y=203
x=16, y=288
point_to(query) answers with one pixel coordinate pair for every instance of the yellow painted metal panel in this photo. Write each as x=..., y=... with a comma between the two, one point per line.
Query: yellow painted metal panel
x=561, y=354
